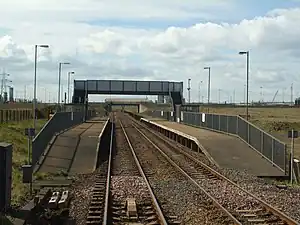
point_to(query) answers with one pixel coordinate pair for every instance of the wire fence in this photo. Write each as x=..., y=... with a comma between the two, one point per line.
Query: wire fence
x=265, y=144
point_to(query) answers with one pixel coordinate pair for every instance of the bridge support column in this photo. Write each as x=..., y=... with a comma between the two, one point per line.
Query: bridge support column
x=177, y=113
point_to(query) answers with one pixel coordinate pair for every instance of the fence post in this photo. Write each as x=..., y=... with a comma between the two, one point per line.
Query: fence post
x=219, y=122
x=272, y=151
x=6, y=116
x=227, y=124
x=237, y=125
x=261, y=142
x=285, y=160
x=212, y=121
x=248, y=132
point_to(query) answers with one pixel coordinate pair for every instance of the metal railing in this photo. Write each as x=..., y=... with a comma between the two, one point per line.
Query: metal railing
x=265, y=144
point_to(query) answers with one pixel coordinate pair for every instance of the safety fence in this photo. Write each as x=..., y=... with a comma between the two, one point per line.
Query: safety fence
x=268, y=146
x=15, y=115
x=59, y=121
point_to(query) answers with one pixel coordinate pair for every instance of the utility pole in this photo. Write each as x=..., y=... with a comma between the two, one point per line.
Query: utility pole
x=189, y=90
x=219, y=96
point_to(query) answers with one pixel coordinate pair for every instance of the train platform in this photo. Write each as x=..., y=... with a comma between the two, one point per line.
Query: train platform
x=75, y=151
x=227, y=151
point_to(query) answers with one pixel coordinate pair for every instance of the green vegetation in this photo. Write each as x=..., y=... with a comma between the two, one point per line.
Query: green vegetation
x=14, y=133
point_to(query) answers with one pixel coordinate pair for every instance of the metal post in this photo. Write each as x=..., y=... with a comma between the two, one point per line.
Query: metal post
x=292, y=156
x=34, y=87
x=247, y=110
x=69, y=87
x=208, y=98
x=28, y=137
x=189, y=90
x=292, y=102
x=59, y=76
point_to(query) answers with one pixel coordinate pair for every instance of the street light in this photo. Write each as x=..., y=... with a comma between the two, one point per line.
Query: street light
x=208, y=85
x=34, y=85
x=189, y=90
x=200, y=90
x=247, y=86
x=69, y=74
x=59, y=79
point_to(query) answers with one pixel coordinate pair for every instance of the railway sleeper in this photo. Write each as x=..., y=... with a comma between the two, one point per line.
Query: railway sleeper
x=258, y=216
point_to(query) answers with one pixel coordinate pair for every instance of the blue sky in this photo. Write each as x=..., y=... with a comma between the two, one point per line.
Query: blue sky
x=237, y=12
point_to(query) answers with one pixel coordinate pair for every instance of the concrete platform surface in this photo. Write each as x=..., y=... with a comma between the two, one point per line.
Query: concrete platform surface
x=228, y=151
x=64, y=155
x=86, y=154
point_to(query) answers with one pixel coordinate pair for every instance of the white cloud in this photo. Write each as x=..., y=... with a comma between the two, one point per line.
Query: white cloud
x=174, y=53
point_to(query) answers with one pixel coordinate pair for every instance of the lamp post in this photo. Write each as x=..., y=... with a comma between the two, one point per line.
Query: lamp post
x=69, y=74
x=59, y=80
x=247, y=85
x=200, y=90
x=34, y=85
x=208, y=87
x=189, y=90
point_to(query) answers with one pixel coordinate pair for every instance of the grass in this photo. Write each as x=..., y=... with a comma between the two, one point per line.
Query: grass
x=275, y=121
x=14, y=133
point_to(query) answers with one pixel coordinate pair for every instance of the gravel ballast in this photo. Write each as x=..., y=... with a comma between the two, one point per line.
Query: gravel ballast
x=286, y=200
x=177, y=196
x=82, y=190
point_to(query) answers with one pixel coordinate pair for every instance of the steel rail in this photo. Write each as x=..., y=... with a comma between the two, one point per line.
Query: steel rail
x=108, y=179
x=160, y=214
x=267, y=206
x=234, y=220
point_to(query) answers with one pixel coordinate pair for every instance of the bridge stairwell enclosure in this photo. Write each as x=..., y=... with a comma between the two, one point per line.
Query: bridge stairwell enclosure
x=177, y=101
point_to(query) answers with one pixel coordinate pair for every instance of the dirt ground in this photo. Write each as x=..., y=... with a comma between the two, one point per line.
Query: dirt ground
x=276, y=121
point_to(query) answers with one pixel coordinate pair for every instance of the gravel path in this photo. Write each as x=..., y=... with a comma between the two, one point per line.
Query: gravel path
x=176, y=195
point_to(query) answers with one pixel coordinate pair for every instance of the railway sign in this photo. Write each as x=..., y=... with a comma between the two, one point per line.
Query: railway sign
x=30, y=132
x=293, y=134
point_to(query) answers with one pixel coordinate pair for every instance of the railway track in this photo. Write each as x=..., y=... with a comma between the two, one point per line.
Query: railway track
x=98, y=206
x=241, y=206
x=104, y=209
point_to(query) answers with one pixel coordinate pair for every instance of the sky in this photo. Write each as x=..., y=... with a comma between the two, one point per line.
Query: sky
x=156, y=40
